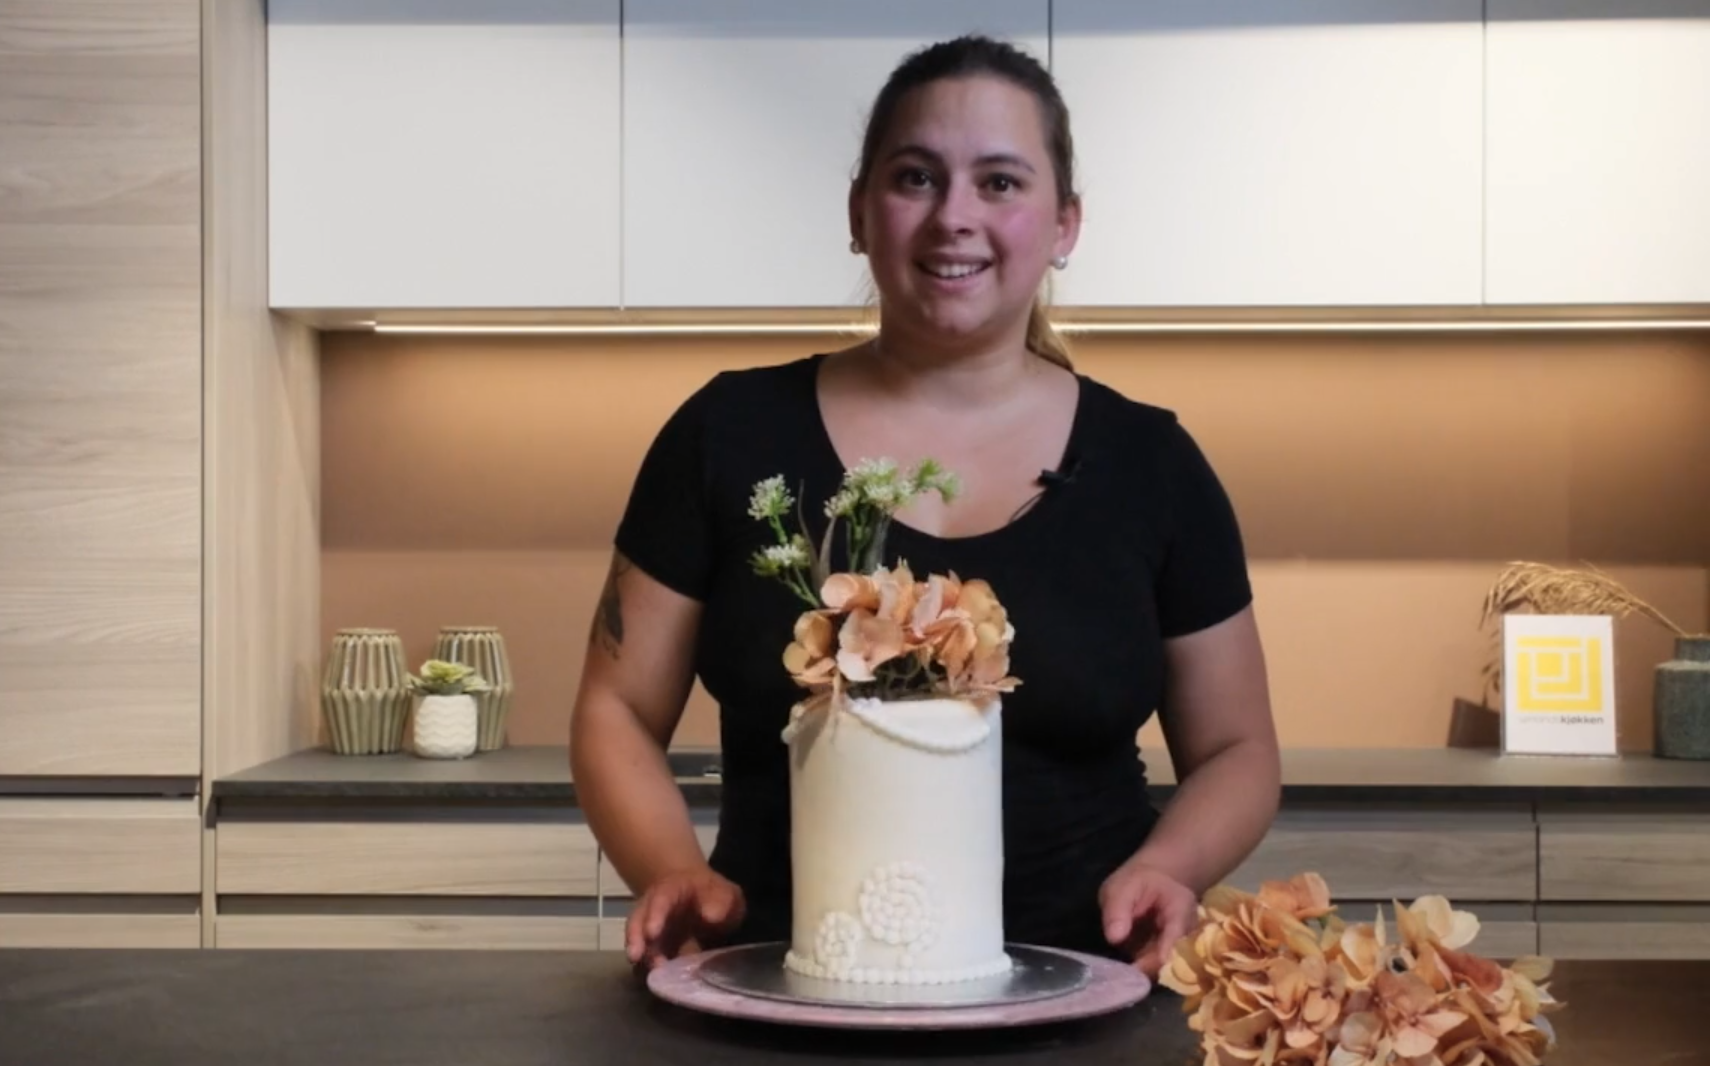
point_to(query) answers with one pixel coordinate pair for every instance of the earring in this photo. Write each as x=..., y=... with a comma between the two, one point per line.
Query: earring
x=1061, y=262
x=854, y=246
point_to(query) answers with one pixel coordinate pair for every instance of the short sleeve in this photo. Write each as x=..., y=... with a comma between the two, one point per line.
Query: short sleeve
x=666, y=529
x=1203, y=578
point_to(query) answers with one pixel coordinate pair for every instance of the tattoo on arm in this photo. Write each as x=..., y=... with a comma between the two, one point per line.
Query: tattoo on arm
x=608, y=617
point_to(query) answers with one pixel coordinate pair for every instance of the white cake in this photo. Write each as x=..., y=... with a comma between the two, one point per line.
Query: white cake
x=897, y=842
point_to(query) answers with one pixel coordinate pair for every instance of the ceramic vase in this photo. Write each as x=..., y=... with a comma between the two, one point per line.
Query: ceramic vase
x=1682, y=701
x=365, y=693
x=445, y=727
x=482, y=647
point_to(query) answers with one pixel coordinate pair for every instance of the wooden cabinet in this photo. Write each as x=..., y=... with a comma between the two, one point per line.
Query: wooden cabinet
x=419, y=158
x=1598, y=152
x=742, y=127
x=1624, y=856
x=1402, y=852
x=430, y=931
x=86, y=872
x=1618, y=883
x=423, y=876
x=415, y=858
x=100, y=390
x=1233, y=153
x=100, y=846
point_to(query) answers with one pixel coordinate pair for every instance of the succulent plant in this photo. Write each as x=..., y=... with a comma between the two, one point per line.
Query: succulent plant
x=441, y=678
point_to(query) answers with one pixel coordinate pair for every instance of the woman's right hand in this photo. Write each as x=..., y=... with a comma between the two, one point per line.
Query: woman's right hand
x=680, y=913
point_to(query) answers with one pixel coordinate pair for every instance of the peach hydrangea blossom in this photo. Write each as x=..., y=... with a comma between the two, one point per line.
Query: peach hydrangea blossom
x=901, y=637
x=1278, y=977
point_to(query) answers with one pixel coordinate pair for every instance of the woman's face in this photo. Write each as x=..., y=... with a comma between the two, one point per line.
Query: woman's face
x=960, y=217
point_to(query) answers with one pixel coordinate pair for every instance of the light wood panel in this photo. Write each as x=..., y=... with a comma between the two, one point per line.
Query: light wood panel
x=387, y=932
x=129, y=846
x=262, y=514
x=1624, y=856
x=100, y=350
x=408, y=858
x=1402, y=853
x=100, y=931
x=1618, y=931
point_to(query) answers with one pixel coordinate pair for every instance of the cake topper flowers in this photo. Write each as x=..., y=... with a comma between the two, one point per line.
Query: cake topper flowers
x=1278, y=977
x=874, y=630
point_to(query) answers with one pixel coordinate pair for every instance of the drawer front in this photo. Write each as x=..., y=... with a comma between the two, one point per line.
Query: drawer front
x=1466, y=855
x=385, y=932
x=104, y=846
x=1624, y=931
x=1616, y=856
x=100, y=930
x=422, y=858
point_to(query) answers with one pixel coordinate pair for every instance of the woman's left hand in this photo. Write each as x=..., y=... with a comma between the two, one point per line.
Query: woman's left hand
x=1145, y=912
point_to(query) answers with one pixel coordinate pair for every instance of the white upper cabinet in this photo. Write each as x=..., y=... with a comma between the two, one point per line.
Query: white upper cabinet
x=1247, y=152
x=434, y=153
x=742, y=127
x=1599, y=151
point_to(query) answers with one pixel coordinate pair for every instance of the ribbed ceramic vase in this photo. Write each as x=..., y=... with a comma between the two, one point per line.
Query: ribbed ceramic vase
x=365, y=694
x=482, y=647
x=1682, y=701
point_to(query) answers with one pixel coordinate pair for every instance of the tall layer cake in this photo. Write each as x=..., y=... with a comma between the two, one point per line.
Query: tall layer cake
x=897, y=841
x=896, y=753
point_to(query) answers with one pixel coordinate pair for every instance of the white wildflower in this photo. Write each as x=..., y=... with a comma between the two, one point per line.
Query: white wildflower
x=868, y=471
x=886, y=494
x=842, y=504
x=771, y=499
x=787, y=556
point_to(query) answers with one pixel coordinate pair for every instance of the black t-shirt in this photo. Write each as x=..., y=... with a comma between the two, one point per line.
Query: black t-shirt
x=1136, y=543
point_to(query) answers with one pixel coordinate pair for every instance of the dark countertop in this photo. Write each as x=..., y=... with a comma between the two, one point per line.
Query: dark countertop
x=1309, y=775
x=360, y=1008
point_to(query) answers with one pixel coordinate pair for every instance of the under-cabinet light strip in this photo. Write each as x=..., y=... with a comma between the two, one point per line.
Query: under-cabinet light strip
x=643, y=329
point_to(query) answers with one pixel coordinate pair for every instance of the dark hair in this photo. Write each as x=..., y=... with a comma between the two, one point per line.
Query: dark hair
x=969, y=56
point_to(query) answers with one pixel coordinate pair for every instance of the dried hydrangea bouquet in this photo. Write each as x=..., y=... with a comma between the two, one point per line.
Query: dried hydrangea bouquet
x=1279, y=978
x=896, y=804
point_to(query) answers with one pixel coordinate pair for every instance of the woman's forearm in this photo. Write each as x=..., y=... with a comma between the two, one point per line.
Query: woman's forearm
x=1218, y=815
x=633, y=805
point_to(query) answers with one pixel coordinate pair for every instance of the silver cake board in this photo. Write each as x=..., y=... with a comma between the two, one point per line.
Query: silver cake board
x=1044, y=985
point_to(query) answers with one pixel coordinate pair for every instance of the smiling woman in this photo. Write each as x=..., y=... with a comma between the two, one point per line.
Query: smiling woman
x=1095, y=518
x=967, y=172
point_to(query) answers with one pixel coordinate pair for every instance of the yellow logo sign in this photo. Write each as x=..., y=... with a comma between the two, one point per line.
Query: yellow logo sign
x=1559, y=675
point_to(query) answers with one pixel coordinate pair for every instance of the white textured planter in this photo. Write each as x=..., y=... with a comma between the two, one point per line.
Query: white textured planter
x=445, y=727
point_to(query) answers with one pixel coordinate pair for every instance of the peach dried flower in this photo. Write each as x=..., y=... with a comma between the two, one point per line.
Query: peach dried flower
x=1277, y=977
x=865, y=642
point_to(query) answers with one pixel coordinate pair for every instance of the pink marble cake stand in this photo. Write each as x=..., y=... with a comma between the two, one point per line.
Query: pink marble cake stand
x=1110, y=986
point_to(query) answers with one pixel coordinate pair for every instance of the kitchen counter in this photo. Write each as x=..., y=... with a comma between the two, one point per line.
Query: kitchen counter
x=360, y=1008
x=542, y=774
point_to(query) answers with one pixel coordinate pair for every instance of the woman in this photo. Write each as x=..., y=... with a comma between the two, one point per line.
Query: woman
x=1095, y=518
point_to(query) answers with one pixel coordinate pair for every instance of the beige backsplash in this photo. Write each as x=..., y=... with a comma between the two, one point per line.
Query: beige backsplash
x=1381, y=481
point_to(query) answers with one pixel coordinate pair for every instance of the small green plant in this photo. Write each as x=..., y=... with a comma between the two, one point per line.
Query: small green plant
x=440, y=678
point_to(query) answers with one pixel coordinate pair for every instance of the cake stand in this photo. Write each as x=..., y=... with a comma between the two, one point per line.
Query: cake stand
x=1045, y=985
